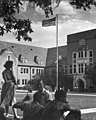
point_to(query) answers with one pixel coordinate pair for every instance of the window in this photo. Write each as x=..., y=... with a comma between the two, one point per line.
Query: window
x=74, y=68
x=33, y=71
x=24, y=70
x=21, y=70
x=85, y=66
x=39, y=71
x=70, y=69
x=74, y=55
x=36, y=71
x=90, y=53
x=18, y=82
x=22, y=81
x=80, y=68
x=80, y=54
x=85, y=53
x=25, y=81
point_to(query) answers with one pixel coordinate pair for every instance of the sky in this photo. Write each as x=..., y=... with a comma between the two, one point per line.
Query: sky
x=70, y=21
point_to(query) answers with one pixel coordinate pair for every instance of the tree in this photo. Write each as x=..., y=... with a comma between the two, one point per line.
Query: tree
x=22, y=27
x=90, y=73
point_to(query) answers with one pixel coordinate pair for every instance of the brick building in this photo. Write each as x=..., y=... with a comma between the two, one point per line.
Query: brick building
x=81, y=51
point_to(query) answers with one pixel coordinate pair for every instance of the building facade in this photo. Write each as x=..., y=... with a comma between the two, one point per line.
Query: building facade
x=81, y=51
x=28, y=61
x=73, y=58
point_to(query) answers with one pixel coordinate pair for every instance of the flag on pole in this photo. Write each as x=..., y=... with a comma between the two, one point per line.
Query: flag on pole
x=49, y=22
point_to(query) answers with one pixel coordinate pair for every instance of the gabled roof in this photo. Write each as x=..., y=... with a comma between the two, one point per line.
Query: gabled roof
x=52, y=55
x=28, y=52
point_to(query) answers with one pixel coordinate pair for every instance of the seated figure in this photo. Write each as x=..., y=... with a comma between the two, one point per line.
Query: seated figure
x=32, y=110
x=54, y=110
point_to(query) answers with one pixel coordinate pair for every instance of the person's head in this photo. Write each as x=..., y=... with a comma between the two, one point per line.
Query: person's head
x=40, y=85
x=8, y=64
x=61, y=95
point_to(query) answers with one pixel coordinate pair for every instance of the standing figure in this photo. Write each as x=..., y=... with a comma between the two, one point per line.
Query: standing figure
x=8, y=88
x=43, y=95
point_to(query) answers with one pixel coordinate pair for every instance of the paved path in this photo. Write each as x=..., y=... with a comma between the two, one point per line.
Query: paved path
x=84, y=111
x=90, y=110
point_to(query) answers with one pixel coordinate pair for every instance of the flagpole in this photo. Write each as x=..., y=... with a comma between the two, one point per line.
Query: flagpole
x=57, y=51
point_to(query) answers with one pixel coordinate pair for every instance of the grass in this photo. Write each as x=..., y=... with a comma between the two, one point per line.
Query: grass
x=82, y=102
x=90, y=116
x=76, y=101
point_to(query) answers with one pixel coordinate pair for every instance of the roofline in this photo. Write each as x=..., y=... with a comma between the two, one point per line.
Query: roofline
x=81, y=32
x=31, y=66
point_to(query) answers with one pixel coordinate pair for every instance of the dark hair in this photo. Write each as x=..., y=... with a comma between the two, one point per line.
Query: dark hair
x=60, y=93
x=35, y=96
x=8, y=64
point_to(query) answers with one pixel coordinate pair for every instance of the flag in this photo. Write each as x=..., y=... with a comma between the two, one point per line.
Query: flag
x=49, y=22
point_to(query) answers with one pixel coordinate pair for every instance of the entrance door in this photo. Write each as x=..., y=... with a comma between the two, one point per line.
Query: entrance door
x=81, y=86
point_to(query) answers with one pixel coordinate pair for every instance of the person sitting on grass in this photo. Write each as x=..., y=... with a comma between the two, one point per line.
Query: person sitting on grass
x=54, y=110
x=43, y=96
x=32, y=110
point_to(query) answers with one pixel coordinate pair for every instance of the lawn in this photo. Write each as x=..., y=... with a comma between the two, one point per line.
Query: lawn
x=76, y=101
x=82, y=102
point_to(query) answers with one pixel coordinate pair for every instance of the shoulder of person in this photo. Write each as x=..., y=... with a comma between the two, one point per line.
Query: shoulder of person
x=46, y=91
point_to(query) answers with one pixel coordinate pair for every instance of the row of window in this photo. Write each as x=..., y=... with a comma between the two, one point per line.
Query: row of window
x=76, y=68
x=24, y=81
x=34, y=71
x=37, y=71
x=79, y=68
x=83, y=54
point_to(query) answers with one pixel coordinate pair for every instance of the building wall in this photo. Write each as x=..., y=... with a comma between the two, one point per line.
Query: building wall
x=81, y=51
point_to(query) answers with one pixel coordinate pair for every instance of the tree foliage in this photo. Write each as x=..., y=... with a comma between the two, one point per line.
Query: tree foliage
x=22, y=27
x=90, y=73
x=85, y=4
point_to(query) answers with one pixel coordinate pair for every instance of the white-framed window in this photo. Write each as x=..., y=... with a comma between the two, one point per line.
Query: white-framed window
x=33, y=71
x=22, y=81
x=74, y=68
x=24, y=70
x=25, y=81
x=85, y=53
x=18, y=82
x=74, y=55
x=80, y=54
x=70, y=69
x=90, y=53
x=80, y=68
x=37, y=71
x=21, y=70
